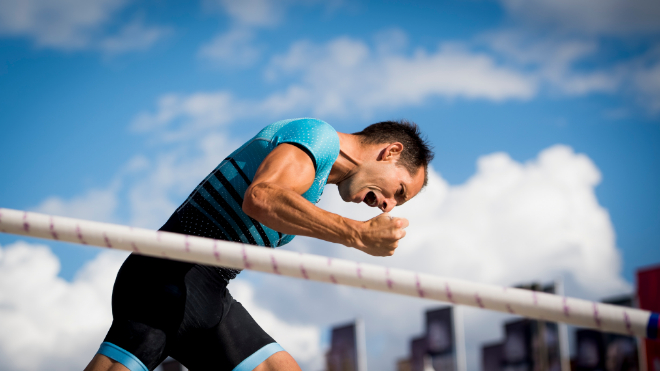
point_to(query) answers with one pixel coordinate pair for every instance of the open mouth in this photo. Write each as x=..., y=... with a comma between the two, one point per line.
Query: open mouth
x=371, y=199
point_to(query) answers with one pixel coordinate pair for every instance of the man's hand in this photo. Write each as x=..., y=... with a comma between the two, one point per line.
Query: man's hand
x=380, y=236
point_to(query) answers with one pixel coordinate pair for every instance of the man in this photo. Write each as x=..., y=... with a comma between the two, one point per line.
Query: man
x=262, y=194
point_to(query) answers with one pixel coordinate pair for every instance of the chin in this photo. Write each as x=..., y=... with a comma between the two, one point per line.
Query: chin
x=345, y=194
x=344, y=197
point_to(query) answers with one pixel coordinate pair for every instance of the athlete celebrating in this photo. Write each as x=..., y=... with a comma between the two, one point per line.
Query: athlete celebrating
x=262, y=194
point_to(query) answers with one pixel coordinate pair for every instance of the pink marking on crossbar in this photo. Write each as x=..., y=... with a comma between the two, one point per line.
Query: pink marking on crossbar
x=359, y=271
x=107, y=241
x=596, y=319
x=216, y=253
x=52, y=229
x=536, y=299
x=567, y=312
x=79, y=235
x=158, y=236
x=480, y=303
x=332, y=278
x=274, y=263
x=626, y=320
x=509, y=309
x=303, y=271
x=26, y=224
x=418, y=285
x=186, y=243
x=389, y=282
x=246, y=263
x=134, y=247
x=450, y=296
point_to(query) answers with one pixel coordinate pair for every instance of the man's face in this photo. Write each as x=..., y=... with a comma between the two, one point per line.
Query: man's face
x=381, y=183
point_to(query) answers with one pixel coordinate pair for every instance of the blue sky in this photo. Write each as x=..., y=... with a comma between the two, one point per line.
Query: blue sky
x=113, y=110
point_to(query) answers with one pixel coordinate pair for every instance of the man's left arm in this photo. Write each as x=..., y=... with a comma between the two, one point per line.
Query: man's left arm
x=275, y=199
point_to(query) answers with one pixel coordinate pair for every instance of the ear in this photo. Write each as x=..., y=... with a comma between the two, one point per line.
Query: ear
x=391, y=152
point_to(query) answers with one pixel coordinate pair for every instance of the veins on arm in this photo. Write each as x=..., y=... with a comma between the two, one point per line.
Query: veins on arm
x=275, y=198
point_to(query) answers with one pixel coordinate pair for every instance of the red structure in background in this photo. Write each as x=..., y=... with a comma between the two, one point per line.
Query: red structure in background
x=648, y=297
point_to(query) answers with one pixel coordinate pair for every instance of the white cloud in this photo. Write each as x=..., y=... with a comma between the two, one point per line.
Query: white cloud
x=510, y=222
x=134, y=36
x=593, y=17
x=256, y=13
x=46, y=322
x=553, y=61
x=552, y=39
x=645, y=79
x=341, y=78
x=74, y=25
x=94, y=204
x=155, y=193
x=184, y=117
x=346, y=77
x=236, y=47
x=61, y=24
x=233, y=48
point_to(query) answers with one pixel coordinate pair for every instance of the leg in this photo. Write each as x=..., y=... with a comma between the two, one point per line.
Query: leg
x=103, y=363
x=280, y=361
x=147, y=303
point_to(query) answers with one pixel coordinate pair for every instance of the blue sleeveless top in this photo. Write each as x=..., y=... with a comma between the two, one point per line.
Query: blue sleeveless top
x=214, y=208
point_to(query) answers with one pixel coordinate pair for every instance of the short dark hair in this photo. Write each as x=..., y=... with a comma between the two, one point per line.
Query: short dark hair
x=416, y=152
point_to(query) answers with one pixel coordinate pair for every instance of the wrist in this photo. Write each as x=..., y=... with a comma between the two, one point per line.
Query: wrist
x=353, y=233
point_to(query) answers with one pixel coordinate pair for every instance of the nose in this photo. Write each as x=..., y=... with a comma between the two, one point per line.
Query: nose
x=388, y=205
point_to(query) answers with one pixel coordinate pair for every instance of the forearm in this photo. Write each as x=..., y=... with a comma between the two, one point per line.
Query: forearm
x=288, y=212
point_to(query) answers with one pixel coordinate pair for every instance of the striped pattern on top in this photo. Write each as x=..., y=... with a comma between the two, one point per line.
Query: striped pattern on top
x=214, y=208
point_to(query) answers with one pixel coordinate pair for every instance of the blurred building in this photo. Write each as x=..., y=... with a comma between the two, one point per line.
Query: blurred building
x=531, y=345
x=648, y=297
x=347, y=348
x=599, y=351
x=528, y=345
x=441, y=347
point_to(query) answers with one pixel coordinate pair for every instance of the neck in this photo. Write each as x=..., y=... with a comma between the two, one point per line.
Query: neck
x=351, y=153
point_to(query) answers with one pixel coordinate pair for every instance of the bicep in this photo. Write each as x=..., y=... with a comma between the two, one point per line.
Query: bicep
x=287, y=166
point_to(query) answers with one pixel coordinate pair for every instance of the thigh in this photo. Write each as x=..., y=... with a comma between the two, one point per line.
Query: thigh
x=236, y=340
x=148, y=305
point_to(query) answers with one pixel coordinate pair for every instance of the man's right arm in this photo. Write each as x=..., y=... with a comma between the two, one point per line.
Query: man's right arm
x=275, y=199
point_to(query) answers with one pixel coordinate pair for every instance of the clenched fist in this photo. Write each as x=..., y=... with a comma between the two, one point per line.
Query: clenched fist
x=380, y=236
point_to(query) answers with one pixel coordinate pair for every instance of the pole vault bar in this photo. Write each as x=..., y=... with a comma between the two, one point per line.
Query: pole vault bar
x=532, y=304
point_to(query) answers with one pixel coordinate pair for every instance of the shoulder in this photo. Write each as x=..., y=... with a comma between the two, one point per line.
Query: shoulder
x=309, y=130
x=308, y=126
x=316, y=136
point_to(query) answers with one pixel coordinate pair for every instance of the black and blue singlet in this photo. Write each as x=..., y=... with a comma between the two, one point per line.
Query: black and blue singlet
x=169, y=308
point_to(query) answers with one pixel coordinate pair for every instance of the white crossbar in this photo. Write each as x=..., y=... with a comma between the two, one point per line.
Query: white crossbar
x=532, y=304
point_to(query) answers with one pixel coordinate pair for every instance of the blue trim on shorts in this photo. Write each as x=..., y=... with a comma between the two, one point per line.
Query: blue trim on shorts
x=652, y=326
x=122, y=356
x=251, y=362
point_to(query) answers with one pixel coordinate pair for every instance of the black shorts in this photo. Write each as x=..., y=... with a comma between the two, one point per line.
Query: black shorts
x=166, y=308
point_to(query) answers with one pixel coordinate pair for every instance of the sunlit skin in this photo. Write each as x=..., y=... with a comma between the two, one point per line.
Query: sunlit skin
x=275, y=199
